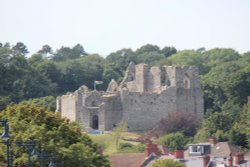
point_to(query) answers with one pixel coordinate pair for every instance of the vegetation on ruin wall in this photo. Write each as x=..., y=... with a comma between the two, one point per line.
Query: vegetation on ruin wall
x=224, y=74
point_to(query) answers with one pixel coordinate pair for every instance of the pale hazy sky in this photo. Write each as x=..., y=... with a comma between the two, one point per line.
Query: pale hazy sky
x=105, y=26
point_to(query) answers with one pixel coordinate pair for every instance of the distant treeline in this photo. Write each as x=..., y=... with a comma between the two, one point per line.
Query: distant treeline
x=224, y=73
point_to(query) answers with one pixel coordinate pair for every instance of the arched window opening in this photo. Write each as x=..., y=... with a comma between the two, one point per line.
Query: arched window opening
x=186, y=84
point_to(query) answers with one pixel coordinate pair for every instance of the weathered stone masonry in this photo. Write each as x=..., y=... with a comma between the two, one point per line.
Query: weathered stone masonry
x=143, y=97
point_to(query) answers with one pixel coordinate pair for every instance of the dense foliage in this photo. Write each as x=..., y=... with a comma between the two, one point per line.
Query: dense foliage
x=224, y=74
x=174, y=141
x=167, y=163
x=184, y=122
x=52, y=134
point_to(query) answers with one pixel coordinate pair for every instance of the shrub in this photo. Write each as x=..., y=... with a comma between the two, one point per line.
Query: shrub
x=129, y=148
x=167, y=163
x=174, y=141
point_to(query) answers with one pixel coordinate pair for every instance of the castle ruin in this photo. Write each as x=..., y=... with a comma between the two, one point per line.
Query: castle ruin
x=142, y=99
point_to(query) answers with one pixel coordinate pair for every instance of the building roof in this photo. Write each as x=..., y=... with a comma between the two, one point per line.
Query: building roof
x=128, y=159
x=221, y=149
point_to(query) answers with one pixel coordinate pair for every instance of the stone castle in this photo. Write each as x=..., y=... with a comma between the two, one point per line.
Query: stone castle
x=142, y=99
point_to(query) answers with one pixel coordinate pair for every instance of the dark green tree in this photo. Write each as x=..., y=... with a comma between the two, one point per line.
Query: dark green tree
x=148, y=48
x=54, y=135
x=120, y=59
x=168, y=51
x=240, y=133
x=48, y=102
x=65, y=53
x=36, y=59
x=216, y=124
x=150, y=57
x=20, y=49
x=79, y=51
x=50, y=70
x=46, y=51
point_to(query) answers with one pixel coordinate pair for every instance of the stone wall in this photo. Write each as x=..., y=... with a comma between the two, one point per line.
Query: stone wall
x=113, y=110
x=143, y=98
x=68, y=106
x=143, y=110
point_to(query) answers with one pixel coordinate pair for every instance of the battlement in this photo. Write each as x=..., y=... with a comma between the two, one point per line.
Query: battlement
x=142, y=78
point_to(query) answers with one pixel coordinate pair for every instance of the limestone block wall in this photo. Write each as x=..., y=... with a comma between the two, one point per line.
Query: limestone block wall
x=102, y=120
x=85, y=119
x=143, y=110
x=185, y=101
x=79, y=103
x=140, y=77
x=68, y=106
x=153, y=79
x=189, y=94
x=113, y=110
x=171, y=74
x=131, y=86
x=93, y=99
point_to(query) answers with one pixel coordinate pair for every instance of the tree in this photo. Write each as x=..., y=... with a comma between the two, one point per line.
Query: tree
x=184, y=122
x=19, y=49
x=185, y=58
x=241, y=129
x=35, y=59
x=65, y=53
x=48, y=102
x=21, y=81
x=168, y=51
x=53, y=134
x=217, y=56
x=46, y=49
x=50, y=70
x=216, y=124
x=174, y=141
x=4, y=101
x=167, y=163
x=147, y=48
x=119, y=61
x=93, y=64
x=76, y=72
x=227, y=83
x=109, y=73
x=79, y=51
x=5, y=55
x=150, y=57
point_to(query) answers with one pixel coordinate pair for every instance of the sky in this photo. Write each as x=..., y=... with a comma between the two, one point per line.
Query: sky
x=105, y=26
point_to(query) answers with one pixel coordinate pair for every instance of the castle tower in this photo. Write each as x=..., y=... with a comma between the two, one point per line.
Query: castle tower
x=141, y=71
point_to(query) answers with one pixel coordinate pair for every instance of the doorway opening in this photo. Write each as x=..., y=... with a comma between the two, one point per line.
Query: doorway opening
x=95, y=122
